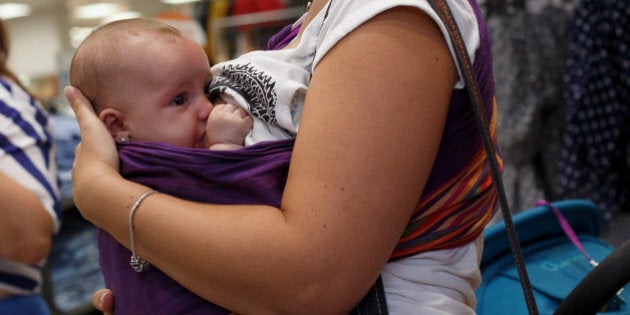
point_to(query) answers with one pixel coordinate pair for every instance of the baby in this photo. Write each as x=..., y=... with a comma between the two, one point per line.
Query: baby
x=149, y=83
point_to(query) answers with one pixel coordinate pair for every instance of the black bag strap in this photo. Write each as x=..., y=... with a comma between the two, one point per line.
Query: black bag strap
x=474, y=93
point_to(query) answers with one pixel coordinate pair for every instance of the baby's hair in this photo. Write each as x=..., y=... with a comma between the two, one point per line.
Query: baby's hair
x=94, y=62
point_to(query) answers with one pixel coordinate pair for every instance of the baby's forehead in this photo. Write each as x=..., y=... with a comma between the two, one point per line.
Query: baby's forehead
x=129, y=35
x=121, y=44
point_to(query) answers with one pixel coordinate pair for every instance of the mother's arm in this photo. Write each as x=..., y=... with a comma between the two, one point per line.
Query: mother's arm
x=370, y=130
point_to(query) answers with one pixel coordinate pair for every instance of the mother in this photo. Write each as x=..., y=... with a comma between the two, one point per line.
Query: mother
x=388, y=176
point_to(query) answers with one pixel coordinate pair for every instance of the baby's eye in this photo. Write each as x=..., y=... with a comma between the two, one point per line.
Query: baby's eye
x=179, y=99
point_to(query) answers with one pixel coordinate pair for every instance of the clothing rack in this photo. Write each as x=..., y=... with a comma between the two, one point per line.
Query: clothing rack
x=258, y=17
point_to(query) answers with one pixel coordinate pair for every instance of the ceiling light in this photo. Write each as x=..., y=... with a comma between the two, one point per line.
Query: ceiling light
x=178, y=1
x=95, y=10
x=78, y=34
x=122, y=16
x=14, y=10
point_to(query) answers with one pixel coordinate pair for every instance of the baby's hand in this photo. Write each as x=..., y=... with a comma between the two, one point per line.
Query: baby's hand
x=227, y=127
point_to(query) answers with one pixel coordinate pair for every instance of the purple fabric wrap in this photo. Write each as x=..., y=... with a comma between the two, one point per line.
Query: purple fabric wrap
x=252, y=175
x=282, y=38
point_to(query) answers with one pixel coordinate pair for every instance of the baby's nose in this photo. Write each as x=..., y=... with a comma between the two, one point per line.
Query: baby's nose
x=205, y=107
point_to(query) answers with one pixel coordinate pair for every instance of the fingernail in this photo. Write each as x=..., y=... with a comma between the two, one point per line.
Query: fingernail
x=101, y=300
x=70, y=92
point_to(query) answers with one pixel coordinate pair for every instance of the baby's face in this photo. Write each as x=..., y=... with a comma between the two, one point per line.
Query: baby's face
x=166, y=92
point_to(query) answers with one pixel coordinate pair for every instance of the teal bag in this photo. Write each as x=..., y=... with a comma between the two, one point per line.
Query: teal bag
x=554, y=264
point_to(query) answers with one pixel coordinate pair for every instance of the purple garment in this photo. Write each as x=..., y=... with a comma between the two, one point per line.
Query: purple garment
x=283, y=38
x=252, y=175
x=461, y=139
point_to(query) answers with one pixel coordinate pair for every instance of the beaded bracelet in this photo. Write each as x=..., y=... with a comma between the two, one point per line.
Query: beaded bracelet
x=138, y=264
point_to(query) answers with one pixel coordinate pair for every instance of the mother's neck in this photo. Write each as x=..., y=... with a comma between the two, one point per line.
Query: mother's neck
x=313, y=9
x=311, y=13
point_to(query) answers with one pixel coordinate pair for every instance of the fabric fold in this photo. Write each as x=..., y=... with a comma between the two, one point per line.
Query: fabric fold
x=252, y=175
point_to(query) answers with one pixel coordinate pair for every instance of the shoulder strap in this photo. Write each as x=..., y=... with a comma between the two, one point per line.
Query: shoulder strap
x=464, y=63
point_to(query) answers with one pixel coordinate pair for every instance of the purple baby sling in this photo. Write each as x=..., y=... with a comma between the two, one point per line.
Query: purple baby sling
x=252, y=175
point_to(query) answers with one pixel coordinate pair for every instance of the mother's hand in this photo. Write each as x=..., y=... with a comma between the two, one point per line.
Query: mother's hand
x=96, y=155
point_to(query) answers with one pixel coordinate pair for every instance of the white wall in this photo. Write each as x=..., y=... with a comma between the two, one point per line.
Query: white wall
x=35, y=43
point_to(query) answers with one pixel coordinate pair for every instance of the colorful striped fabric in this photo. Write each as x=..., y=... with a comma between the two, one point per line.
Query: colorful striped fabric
x=454, y=214
x=459, y=199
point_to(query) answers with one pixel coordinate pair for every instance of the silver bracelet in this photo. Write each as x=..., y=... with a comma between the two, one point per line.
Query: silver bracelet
x=138, y=264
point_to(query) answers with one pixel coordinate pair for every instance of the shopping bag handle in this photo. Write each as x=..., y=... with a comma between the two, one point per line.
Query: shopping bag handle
x=474, y=94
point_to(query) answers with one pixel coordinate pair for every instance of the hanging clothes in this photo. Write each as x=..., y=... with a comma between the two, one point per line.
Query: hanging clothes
x=217, y=49
x=595, y=155
x=254, y=36
x=255, y=6
x=528, y=49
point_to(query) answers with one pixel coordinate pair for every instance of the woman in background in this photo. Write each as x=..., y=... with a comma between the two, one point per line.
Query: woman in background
x=29, y=197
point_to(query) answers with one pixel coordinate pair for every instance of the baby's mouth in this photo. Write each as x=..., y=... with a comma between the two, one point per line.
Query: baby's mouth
x=203, y=142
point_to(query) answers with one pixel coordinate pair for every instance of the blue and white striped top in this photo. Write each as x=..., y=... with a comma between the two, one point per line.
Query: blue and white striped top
x=27, y=156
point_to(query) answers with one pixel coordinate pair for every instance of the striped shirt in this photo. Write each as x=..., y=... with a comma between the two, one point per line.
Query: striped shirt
x=27, y=156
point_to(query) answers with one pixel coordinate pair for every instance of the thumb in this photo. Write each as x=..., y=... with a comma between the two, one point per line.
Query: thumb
x=103, y=300
x=79, y=103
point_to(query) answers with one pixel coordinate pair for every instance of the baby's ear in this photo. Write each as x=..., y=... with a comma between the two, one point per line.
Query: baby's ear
x=114, y=120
